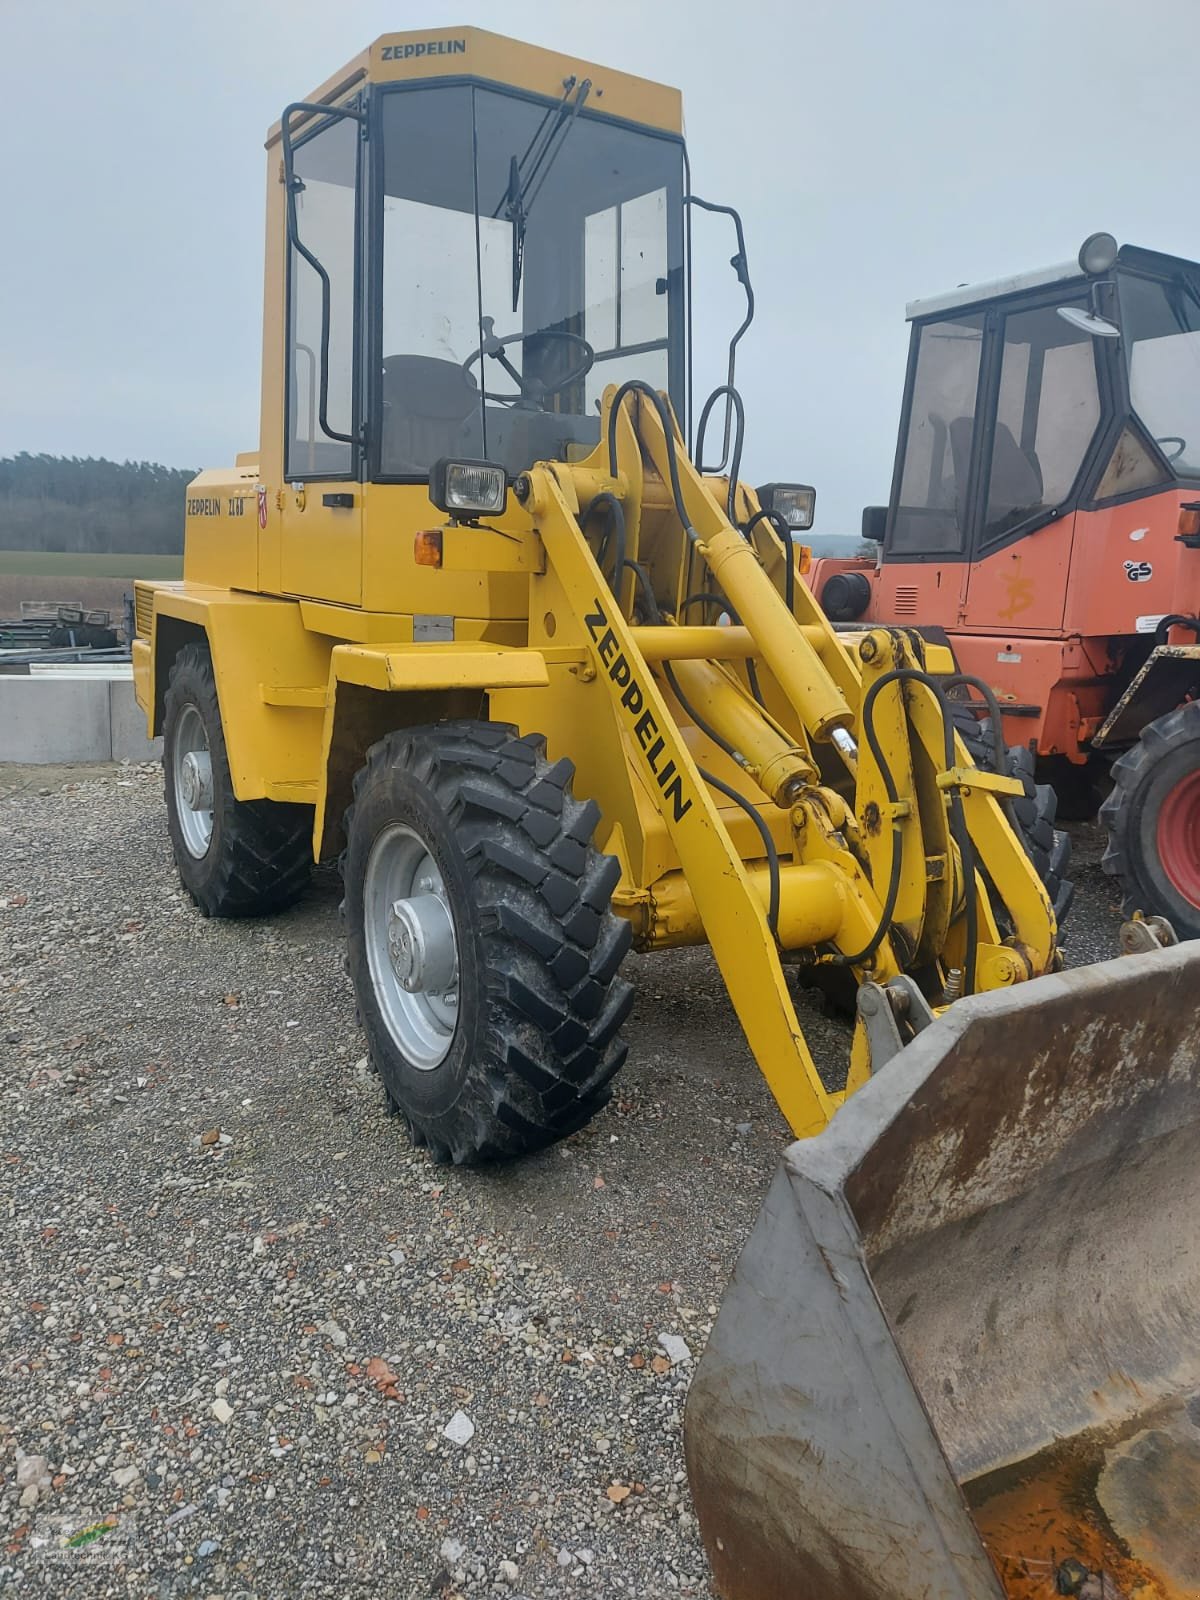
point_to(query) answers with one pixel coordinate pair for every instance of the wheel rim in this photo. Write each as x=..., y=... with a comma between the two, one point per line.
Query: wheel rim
x=1179, y=837
x=412, y=946
x=192, y=775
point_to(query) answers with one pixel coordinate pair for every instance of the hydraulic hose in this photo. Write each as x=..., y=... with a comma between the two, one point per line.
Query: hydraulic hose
x=1175, y=620
x=755, y=816
x=639, y=386
x=616, y=529
x=958, y=827
x=739, y=438
x=988, y=696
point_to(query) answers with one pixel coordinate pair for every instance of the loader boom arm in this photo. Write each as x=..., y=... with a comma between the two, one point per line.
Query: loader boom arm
x=793, y=732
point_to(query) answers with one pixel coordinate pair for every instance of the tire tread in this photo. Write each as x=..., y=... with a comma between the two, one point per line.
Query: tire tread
x=551, y=944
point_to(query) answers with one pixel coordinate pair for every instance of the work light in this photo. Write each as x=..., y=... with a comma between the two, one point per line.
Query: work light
x=1097, y=253
x=468, y=488
x=796, y=503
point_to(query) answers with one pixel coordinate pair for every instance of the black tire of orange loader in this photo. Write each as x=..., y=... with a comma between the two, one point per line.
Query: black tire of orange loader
x=1033, y=813
x=1153, y=821
x=480, y=940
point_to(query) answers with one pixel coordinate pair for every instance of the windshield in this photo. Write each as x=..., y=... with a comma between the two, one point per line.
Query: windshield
x=1161, y=324
x=591, y=251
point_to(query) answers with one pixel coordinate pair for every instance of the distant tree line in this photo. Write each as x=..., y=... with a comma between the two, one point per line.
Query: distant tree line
x=74, y=503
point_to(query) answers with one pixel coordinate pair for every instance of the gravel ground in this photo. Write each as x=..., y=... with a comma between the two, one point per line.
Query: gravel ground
x=244, y=1319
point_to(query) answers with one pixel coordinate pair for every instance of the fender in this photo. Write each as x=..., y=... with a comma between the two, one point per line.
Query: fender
x=270, y=670
x=372, y=690
x=299, y=710
x=1170, y=674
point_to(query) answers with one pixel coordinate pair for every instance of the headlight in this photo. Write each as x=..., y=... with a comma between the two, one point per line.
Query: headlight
x=471, y=488
x=796, y=503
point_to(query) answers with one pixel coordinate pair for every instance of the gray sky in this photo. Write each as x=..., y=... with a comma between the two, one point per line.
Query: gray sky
x=878, y=151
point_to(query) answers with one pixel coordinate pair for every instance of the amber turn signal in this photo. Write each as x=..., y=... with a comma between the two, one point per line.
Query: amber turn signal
x=1189, y=522
x=427, y=548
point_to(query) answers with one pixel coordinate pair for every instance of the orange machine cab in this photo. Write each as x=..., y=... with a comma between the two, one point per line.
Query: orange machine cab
x=1045, y=506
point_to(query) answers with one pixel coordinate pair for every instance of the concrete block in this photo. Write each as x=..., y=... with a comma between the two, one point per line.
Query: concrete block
x=49, y=720
x=128, y=721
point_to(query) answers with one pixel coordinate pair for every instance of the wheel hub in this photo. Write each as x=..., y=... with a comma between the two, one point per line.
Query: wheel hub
x=411, y=945
x=192, y=781
x=195, y=780
x=421, y=944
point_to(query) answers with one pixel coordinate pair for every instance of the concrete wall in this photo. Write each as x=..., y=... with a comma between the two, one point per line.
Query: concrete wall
x=59, y=718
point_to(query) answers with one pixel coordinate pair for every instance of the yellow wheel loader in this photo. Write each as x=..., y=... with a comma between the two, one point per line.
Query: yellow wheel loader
x=478, y=622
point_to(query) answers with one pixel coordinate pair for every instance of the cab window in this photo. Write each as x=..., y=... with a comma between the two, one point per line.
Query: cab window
x=931, y=509
x=326, y=166
x=1162, y=325
x=1047, y=411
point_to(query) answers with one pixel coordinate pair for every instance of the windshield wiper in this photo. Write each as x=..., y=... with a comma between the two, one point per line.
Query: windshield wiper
x=527, y=175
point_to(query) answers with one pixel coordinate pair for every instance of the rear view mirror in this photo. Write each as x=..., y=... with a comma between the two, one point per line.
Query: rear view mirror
x=1089, y=322
x=874, y=523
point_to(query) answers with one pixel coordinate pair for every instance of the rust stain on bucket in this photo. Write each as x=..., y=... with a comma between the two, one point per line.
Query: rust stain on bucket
x=1047, y=1532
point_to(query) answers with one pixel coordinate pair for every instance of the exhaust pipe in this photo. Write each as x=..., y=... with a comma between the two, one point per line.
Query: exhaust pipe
x=959, y=1358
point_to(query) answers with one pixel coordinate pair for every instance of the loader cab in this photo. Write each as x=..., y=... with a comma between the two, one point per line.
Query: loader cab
x=1036, y=412
x=478, y=237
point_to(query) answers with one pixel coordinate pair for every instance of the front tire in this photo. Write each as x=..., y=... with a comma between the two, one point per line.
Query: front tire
x=481, y=942
x=1153, y=821
x=236, y=858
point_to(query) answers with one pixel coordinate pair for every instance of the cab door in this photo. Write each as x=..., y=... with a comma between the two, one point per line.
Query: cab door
x=321, y=555
x=1042, y=419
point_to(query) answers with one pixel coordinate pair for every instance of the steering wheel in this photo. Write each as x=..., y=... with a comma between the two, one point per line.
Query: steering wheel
x=1173, y=438
x=532, y=390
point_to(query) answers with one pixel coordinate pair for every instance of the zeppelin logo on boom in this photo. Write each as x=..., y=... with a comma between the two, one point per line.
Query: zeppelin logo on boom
x=431, y=47
x=633, y=701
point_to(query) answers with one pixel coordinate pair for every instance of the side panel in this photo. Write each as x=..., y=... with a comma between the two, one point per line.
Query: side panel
x=913, y=593
x=462, y=587
x=1059, y=689
x=1129, y=568
x=221, y=528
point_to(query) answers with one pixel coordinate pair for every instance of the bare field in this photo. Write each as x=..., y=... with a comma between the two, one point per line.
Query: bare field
x=92, y=581
x=92, y=593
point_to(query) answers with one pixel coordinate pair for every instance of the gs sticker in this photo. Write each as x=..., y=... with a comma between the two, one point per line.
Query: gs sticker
x=1138, y=571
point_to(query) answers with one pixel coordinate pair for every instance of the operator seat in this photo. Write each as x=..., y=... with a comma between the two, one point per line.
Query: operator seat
x=1015, y=482
x=1015, y=488
x=426, y=401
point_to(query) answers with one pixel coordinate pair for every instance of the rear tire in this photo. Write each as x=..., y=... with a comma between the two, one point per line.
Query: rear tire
x=1153, y=821
x=1033, y=813
x=518, y=1048
x=236, y=858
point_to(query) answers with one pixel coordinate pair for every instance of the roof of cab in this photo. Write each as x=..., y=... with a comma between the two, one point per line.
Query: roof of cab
x=492, y=58
x=1132, y=256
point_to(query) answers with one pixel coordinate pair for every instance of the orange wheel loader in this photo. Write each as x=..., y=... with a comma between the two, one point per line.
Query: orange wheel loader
x=1044, y=521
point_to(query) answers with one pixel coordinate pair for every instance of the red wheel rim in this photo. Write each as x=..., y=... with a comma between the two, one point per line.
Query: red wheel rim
x=1179, y=837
